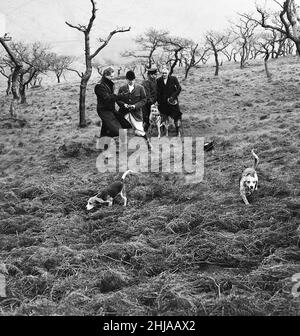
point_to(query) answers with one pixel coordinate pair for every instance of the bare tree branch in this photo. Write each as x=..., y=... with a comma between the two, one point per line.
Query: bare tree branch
x=79, y=27
x=92, y=18
x=85, y=76
x=105, y=42
x=289, y=19
x=78, y=73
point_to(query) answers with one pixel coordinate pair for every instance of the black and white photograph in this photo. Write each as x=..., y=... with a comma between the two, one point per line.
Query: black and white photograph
x=149, y=161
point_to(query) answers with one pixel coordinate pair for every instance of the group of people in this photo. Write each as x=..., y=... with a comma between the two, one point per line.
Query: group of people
x=135, y=100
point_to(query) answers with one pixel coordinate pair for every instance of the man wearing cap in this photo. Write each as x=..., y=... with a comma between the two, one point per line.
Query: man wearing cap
x=151, y=92
x=106, y=99
x=168, y=90
x=133, y=98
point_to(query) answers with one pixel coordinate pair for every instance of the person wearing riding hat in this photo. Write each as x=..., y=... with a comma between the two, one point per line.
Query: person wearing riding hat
x=151, y=92
x=131, y=104
x=106, y=99
x=168, y=90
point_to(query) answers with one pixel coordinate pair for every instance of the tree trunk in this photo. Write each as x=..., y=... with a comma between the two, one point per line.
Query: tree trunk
x=187, y=70
x=234, y=57
x=84, y=80
x=14, y=81
x=266, y=65
x=267, y=70
x=217, y=62
x=298, y=47
x=175, y=62
x=82, y=94
x=16, y=72
x=58, y=78
x=280, y=50
x=22, y=90
x=23, y=94
x=243, y=56
x=8, y=89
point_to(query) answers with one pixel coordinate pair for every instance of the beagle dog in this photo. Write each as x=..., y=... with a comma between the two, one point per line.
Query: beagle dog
x=107, y=195
x=249, y=180
x=157, y=120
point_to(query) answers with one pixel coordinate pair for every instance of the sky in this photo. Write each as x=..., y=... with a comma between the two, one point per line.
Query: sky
x=44, y=20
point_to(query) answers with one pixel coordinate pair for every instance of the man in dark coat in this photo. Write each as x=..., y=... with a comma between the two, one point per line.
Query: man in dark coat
x=149, y=85
x=168, y=90
x=132, y=101
x=106, y=99
x=131, y=104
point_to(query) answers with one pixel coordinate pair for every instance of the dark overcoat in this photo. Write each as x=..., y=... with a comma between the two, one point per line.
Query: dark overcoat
x=112, y=122
x=171, y=89
x=136, y=97
x=151, y=90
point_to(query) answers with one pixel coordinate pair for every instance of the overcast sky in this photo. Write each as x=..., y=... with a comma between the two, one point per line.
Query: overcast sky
x=44, y=20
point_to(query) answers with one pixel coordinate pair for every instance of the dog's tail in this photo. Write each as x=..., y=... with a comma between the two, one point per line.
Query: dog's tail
x=126, y=173
x=256, y=159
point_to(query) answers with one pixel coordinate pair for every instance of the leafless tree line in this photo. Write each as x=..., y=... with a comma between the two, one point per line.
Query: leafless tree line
x=24, y=63
x=158, y=47
x=263, y=34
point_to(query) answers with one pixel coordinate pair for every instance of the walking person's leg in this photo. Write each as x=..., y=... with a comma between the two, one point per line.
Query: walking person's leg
x=146, y=115
x=176, y=115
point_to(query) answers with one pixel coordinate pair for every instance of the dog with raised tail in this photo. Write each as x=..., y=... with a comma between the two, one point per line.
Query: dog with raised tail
x=249, y=180
x=108, y=195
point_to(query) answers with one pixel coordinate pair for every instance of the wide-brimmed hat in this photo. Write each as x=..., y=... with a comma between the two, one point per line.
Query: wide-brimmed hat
x=130, y=75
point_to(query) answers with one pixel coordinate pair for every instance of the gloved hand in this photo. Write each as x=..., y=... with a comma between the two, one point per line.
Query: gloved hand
x=131, y=107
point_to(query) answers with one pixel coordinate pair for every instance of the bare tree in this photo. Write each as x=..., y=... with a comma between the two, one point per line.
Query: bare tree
x=244, y=31
x=148, y=45
x=218, y=42
x=60, y=64
x=85, y=76
x=288, y=47
x=99, y=67
x=133, y=65
x=264, y=46
x=289, y=16
x=230, y=53
x=161, y=59
x=15, y=65
x=6, y=70
x=278, y=39
x=35, y=59
x=192, y=56
x=174, y=47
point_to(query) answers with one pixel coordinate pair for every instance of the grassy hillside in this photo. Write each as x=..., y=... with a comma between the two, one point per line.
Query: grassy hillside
x=176, y=249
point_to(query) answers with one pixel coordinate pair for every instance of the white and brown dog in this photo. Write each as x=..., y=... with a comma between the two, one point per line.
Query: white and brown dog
x=107, y=195
x=249, y=180
x=157, y=120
